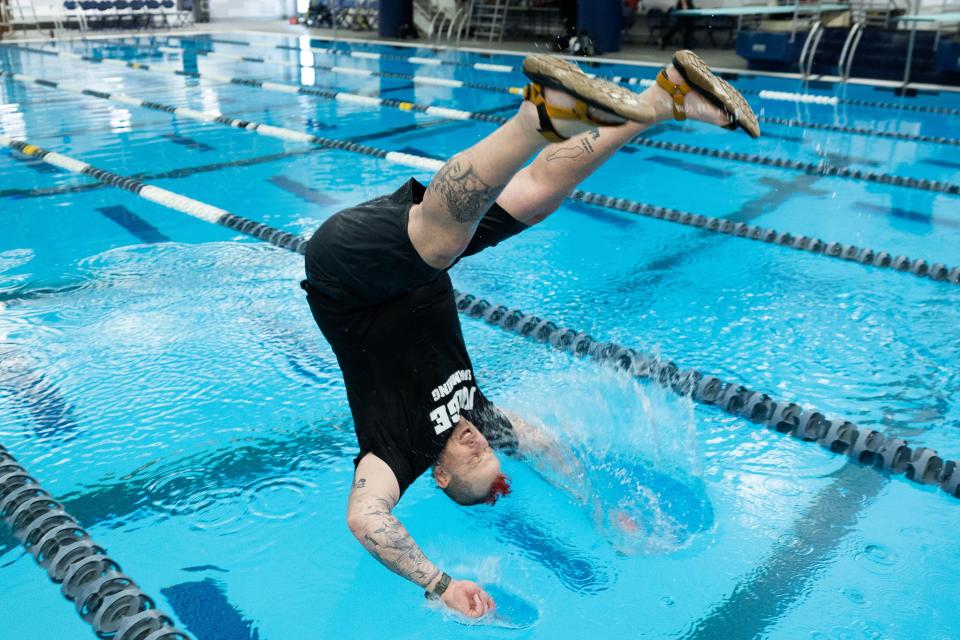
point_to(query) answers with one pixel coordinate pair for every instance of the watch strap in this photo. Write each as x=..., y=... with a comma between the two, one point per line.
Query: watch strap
x=440, y=588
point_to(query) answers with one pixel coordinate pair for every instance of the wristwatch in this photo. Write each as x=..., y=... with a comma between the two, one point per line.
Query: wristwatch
x=440, y=589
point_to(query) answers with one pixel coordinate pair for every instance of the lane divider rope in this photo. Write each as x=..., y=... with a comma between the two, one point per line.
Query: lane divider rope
x=106, y=598
x=778, y=95
x=789, y=96
x=860, y=131
x=786, y=122
x=819, y=169
x=865, y=446
x=365, y=55
x=919, y=267
x=428, y=80
x=289, y=89
x=357, y=71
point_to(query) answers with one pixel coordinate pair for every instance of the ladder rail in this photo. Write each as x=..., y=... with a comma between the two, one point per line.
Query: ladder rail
x=809, y=49
x=4, y=17
x=466, y=21
x=453, y=22
x=847, y=43
x=853, y=52
x=437, y=15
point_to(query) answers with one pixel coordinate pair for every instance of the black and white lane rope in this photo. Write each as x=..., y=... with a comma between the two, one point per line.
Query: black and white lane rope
x=310, y=90
x=819, y=168
x=357, y=71
x=290, y=89
x=106, y=598
x=813, y=168
x=360, y=55
x=881, y=259
x=788, y=96
x=865, y=446
x=860, y=131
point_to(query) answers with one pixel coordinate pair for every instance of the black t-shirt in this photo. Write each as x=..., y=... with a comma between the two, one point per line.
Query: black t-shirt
x=393, y=324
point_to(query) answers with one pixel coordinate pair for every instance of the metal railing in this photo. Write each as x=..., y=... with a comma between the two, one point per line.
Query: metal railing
x=490, y=19
x=809, y=51
x=845, y=63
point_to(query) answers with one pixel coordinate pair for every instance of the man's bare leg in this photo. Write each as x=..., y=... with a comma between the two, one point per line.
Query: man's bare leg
x=492, y=170
x=465, y=188
x=540, y=188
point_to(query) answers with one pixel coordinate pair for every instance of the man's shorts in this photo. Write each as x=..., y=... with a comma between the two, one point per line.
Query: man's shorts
x=392, y=322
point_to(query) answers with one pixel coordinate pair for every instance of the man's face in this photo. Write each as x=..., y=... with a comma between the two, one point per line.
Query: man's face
x=467, y=465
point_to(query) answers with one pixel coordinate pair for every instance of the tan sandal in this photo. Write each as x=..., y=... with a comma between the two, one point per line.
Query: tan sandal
x=698, y=77
x=550, y=72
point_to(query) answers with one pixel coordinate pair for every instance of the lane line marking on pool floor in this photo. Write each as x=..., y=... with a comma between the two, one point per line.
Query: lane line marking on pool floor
x=373, y=55
x=851, y=253
x=873, y=448
x=644, y=82
x=789, y=96
x=918, y=267
x=515, y=53
x=821, y=168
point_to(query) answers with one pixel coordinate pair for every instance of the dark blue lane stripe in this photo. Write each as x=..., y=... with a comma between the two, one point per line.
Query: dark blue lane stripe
x=942, y=163
x=780, y=191
x=32, y=291
x=925, y=219
x=406, y=87
x=416, y=151
x=576, y=570
x=187, y=142
x=797, y=561
x=204, y=610
x=34, y=393
x=204, y=567
x=691, y=167
x=185, y=172
x=33, y=163
x=599, y=214
x=137, y=226
x=302, y=191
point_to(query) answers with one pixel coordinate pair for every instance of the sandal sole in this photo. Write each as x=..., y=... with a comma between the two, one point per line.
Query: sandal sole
x=717, y=90
x=557, y=73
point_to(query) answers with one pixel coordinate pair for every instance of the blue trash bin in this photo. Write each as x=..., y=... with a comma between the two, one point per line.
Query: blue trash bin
x=603, y=20
x=393, y=15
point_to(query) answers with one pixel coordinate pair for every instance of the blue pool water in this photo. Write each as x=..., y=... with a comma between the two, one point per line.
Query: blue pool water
x=164, y=378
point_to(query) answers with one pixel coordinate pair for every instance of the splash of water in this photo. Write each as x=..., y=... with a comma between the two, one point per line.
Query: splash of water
x=639, y=474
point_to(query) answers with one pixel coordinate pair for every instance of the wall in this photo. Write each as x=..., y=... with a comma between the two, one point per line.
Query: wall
x=251, y=9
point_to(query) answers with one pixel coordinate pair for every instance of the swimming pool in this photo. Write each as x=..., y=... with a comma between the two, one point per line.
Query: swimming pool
x=163, y=376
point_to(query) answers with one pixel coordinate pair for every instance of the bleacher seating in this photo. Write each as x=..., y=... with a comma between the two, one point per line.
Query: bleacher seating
x=56, y=16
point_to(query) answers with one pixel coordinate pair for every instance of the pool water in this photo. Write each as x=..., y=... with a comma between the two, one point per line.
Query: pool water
x=164, y=378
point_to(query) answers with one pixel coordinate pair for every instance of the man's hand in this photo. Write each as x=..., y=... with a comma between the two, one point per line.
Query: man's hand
x=468, y=598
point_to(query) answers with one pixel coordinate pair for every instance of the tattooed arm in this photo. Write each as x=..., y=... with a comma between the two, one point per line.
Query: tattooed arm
x=370, y=517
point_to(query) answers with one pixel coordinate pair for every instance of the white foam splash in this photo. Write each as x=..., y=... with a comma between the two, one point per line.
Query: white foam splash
x=641, y=480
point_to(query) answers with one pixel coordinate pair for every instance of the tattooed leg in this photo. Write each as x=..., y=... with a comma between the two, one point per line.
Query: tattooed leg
x=492, y=171
x=539, y=189
x=462, y=189
x=467, y=186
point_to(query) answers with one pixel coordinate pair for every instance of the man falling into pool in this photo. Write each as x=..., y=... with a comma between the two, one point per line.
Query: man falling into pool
x=378, y=287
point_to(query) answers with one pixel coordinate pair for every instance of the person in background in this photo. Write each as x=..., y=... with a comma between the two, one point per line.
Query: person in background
x=630, y=10
x=681, y=23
